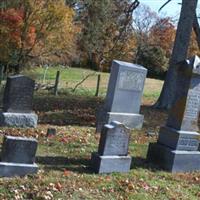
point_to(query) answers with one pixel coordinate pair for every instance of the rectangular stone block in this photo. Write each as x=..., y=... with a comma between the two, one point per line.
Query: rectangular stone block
x=179, y=140
x=125, y=87
x=114, y=140
x=16, y=169
x=22, y=120
x=109, y=164
x=18, y=150
x=18, y=94
x=173, y=160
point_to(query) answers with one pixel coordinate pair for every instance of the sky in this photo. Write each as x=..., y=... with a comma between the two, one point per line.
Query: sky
x=171, y=9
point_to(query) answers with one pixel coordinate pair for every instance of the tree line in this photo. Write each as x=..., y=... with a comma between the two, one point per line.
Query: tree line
x=86, y=34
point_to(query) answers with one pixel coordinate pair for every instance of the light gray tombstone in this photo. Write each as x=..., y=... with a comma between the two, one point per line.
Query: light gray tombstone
x=18, y=156
x=17, y=103
x=112, y=155
x=177, y=147
x=124, y=95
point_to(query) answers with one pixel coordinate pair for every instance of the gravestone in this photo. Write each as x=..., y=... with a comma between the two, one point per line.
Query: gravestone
x=124, y=95
x=17, y=103
x=51, y=132
x=112, y=155
x=18, y=156
x=177, y=147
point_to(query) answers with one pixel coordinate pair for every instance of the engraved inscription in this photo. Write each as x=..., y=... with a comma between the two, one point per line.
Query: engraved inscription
x=117, y=143
x=130, y=80
x=188, y=142
x=193, y=102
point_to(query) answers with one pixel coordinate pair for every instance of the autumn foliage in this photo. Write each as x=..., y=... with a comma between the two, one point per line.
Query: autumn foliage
x=36, y=30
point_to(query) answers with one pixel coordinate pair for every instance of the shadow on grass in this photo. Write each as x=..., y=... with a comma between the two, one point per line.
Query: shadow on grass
x=82, y=165
x=60, y=163
x=139, y=162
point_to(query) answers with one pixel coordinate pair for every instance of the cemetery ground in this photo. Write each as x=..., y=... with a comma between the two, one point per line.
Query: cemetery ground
x=64, y=160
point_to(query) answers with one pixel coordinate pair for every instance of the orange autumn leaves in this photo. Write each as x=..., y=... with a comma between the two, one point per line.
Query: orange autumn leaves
x=12, y=20
x=30, y=30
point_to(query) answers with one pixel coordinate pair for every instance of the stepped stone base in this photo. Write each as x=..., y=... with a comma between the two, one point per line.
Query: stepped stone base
x=174, y=160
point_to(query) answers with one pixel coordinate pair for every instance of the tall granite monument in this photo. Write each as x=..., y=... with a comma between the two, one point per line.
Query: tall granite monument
x=17, y=103
x=177, y=147
x=124, y=95
x=112, y=155
x=18, y=156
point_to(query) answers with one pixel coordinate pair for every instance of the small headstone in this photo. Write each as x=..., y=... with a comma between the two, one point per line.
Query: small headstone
x=124, y=95
x=177, y=147
x=17, y=103
x=18, y=156
x=112, y=155
x=51, y=132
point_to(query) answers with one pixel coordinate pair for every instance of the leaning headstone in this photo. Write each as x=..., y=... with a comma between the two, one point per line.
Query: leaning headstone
x=18, y=156
x=124, y=95
x=177, y=147
x=112, y=155
x=17, y=103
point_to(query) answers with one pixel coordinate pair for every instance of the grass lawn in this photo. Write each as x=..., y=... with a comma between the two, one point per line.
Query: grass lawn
x=64, y=161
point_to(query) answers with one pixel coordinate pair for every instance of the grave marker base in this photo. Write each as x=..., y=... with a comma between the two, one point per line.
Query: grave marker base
x=173, y=160
x=17, y=169
x=23, y=120
x=109, y=164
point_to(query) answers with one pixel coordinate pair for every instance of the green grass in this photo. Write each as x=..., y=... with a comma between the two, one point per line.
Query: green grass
x=71, y=76
x=65, y=172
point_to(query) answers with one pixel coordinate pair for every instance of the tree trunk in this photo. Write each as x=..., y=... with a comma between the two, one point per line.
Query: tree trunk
x=179, y=52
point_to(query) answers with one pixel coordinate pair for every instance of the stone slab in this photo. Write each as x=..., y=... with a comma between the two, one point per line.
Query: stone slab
x=179, y=140
x=18, y=94
x=16, y=169
x=23, y=120
x=109, y=164
x=19, y=150
x=173, y=160
x=114, y=140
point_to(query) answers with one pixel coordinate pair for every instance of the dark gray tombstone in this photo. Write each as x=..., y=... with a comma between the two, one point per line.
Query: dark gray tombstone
x=18, y=156
x=177, y=147
x=17, y=103
x=18, y=94
x=112, y=155
x=124, y=95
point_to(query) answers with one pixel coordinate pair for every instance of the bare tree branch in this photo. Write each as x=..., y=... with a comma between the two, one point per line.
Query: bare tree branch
x=164, y=5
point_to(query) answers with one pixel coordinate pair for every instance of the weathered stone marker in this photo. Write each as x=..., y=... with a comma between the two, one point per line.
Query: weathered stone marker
x=18, y=156
x=51, y=132
x=177, y=147
x=17, y=103
x=124, y=95
x=112, y=155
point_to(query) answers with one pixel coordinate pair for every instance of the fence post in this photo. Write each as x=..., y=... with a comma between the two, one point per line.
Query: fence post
x=98, y=85
x=56, y=83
